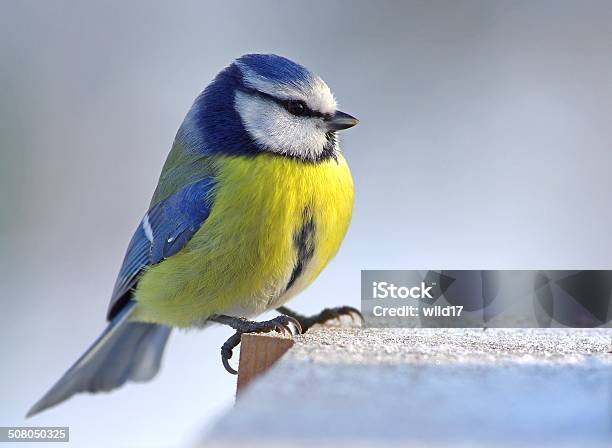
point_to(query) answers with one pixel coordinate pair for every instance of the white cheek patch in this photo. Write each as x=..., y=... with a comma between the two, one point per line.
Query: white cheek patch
x=320, y=98
x=272, y=127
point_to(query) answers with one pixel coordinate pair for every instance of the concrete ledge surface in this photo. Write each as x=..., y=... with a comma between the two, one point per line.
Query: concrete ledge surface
x=430, y=387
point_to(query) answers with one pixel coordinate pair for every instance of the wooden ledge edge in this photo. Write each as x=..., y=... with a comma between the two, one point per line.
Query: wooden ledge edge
x=258, y=352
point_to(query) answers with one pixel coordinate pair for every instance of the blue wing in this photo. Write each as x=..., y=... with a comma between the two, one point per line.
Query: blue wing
x=164, y=230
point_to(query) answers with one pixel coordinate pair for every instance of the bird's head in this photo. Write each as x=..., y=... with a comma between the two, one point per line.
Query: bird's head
x=266, y=103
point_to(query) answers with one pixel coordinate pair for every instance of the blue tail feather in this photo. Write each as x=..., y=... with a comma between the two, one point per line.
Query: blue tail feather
x=125, y=351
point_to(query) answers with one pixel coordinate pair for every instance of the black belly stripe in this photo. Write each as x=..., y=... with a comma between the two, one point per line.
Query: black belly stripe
x=304, y=244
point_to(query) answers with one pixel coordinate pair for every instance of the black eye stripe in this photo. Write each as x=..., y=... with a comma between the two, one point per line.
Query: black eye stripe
x=296, y=107
x=307, y=112
x=285, y=104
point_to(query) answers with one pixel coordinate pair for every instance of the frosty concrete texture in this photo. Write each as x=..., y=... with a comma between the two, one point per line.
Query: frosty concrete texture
x=438, y=387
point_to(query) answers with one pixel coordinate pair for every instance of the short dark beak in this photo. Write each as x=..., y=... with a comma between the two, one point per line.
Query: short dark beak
x=340, y=121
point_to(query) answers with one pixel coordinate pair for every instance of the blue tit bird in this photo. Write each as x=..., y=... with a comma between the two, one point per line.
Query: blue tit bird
x=253, y=201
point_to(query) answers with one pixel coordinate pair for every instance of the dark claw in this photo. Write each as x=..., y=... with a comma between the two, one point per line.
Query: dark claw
x=352, y=312
x=280, y=324
x=227, y=351
x=227, y=366
x=336, y=314
x=296, y=324
x=324, y=316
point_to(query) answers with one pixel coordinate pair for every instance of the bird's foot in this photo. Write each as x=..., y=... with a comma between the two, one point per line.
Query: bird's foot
x=281, y=324
x=324, y=316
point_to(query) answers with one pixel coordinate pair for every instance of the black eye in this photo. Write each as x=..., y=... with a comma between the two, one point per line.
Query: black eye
x=296, y=107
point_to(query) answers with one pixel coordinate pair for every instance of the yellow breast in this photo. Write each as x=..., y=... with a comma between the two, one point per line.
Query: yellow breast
x=275, y=223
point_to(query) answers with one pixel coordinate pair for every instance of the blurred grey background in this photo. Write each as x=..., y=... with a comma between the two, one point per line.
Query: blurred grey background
x=485, y=142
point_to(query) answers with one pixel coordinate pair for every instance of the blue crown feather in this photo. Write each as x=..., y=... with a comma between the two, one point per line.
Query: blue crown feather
x=276, y=68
